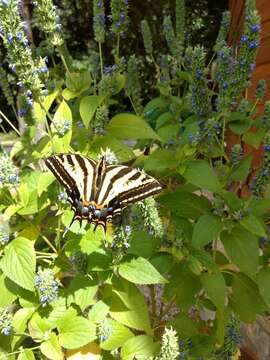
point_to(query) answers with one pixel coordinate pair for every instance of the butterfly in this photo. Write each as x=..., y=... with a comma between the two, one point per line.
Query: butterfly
x=97, y=191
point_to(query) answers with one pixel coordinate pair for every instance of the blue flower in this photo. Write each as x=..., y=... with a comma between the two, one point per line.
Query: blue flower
x=29, y=102
x=199, y=74
x=22, y=112
x=9, y=37
x=6, y=331
x=244, y=39
x=29, y=93
x=225, y=85
x=254, y=28
x=5, y=2
x=266, y=147
x=43, y=69
x=19, y=36
x=253, y=44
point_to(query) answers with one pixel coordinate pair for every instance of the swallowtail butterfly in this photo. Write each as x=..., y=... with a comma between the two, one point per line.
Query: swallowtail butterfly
x=98, y=191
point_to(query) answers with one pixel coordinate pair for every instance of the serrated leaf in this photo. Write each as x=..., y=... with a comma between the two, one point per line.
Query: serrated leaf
x=81, y=291
x=21, y=317
x=76, y=332
x=98, y=312
x=263, y=281
x=130, y=126
x=26, y=354
x=46, y=178
x=252, y=224
x=206, y=230
x=242, y=248
x=128, y=306
x=51, y=348
x=90, y=351
x=62, y=115
x=143, y=244
x=241, y=171
x=88, y=107
x=141, y=345
x=119, y=334
x=215, y=287
x=245, y=299
x=140, y=271
x=19, y=262
x=7, y=297
x=200, y=173
x=185, y=204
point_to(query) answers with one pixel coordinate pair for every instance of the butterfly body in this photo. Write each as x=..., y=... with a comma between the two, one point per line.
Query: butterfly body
x=97, y=191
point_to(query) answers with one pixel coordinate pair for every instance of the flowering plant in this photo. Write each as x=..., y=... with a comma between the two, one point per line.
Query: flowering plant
x=176, y=277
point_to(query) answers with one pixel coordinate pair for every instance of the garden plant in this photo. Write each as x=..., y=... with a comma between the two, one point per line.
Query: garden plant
x=181, y=272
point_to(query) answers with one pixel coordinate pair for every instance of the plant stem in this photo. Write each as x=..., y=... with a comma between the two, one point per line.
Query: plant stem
x=100, y=59
x=47, y=124
x=153, y=302
x=10, y=123
x=47, y=241
x=118, y=46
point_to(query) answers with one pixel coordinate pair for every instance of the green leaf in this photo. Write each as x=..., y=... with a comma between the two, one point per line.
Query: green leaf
x=215, y=287
x=160, y=160
x=26, y=354
x=263, y=281
x=242, y=248
x=82, y=291
x=98, y=312
x=184, y=325
x=76, y=332
x=20, y=319
x=200, y=173
x=45, y=179
x=19, y=262
x=143, y=244
x=119, y=334
x=183, y=286
x=252, y=224
x=241, y=171
x=140, y=271
x=122, y=151
x=7, y=297
x=79, y=81
x=51, y=348
x=88, y=107
x=128, y=306
x=139, y=346
x=240, y=124
x=120, y=83
x=206, y=230
x=245, y=299
x=62, y=114
x=185, y=204
x=254, y=138
x=129, y=126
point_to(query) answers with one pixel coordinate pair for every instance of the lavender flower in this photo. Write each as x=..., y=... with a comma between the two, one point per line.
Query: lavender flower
x=5, y=322
x=47, y=286
x=99, y=20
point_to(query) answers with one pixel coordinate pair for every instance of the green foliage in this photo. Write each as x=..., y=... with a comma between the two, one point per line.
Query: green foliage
x=195, y=257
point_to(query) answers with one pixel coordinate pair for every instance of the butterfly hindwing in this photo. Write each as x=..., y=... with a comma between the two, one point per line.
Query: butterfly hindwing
x=126, y=184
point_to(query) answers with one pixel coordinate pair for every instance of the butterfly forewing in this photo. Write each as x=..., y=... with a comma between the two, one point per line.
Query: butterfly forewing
x=74, y=172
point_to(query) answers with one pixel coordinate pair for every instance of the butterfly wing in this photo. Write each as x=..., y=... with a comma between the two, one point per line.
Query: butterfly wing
x=126, y=185
x=75, y=173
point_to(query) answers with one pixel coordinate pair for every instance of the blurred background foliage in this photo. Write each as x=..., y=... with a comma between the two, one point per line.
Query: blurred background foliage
x=202, y=24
